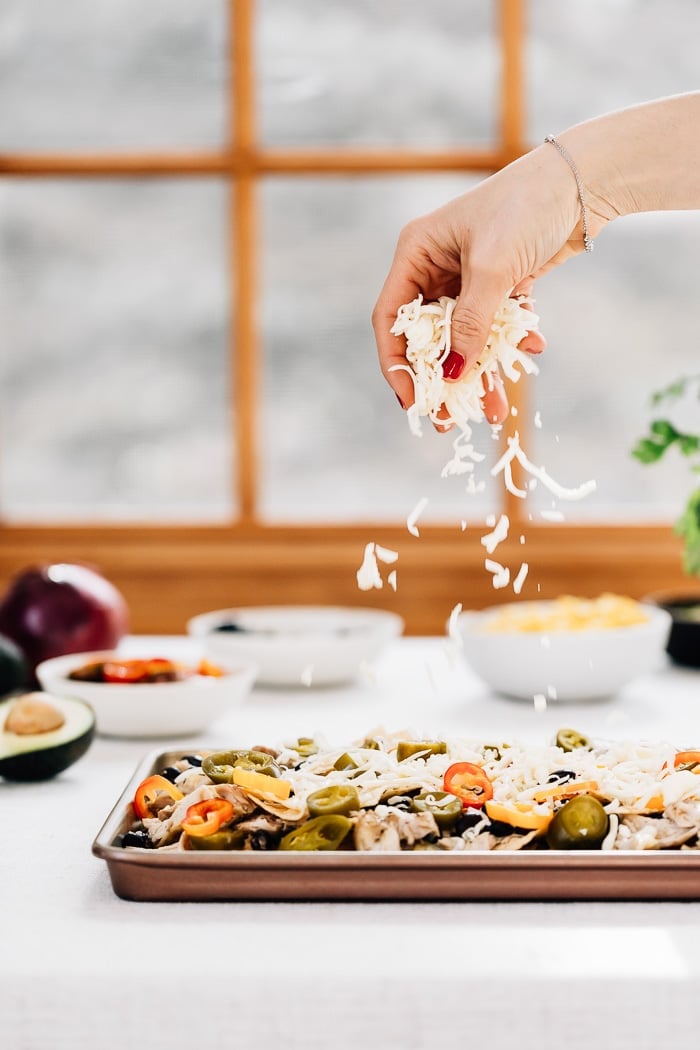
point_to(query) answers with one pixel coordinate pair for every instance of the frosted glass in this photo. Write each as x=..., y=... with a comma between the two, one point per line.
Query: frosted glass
x=592, y=56
x=621, y=324
x=114, y=387
x=81, y=74
x=398, y=72
x=336, y=446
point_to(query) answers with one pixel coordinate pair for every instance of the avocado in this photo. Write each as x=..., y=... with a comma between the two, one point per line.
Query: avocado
x=28, y=751
x=14, y=672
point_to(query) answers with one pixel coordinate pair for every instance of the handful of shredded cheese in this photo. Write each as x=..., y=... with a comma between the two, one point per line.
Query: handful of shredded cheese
x=567, y=613
x=427, y=329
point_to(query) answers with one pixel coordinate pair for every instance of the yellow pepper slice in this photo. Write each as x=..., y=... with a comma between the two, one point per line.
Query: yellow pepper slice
x=261, y=784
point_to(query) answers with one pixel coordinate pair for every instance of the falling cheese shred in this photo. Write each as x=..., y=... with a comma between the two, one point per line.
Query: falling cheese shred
x=499, y=533
x=415, y=515
x=369, y=575
x=427, y=331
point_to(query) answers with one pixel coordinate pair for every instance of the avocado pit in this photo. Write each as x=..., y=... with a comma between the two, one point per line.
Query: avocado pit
x=33, y=714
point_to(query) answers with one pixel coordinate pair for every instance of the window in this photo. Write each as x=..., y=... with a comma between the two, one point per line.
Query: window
x=198, y=204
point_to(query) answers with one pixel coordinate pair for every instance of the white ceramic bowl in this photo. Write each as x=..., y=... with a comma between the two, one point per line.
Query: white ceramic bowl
x=563, y=665
x=159, y=709
x=298, y=645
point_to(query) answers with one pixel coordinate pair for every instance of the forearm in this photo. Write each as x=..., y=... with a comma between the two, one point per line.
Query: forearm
x=645, y=158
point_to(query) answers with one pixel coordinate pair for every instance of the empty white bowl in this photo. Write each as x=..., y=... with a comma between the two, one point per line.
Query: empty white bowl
x=562, y=664
x=298, y=645
x=156, y=709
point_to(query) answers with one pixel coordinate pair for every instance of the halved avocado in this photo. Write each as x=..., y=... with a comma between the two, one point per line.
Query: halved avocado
x=14, y=673
x=29, y=756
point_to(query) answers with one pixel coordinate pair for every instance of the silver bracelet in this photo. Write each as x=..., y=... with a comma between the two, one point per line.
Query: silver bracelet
x=587, y=242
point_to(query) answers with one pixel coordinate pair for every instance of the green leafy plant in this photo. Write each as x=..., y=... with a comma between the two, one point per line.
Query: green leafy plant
x=662, y=436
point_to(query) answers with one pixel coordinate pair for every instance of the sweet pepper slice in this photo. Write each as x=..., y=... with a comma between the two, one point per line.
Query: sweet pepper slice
x=207, y=817
x=149, y=789
x=469, y=782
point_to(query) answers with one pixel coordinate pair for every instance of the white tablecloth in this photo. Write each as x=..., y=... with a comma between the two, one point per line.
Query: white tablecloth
x=81, y=968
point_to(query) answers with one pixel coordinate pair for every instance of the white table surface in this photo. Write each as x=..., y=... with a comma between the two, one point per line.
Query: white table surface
x=80, y=967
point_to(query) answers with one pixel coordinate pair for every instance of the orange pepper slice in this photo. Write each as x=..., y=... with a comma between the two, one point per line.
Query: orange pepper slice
x=518, y=815
x=574, y=787
x=688, y=758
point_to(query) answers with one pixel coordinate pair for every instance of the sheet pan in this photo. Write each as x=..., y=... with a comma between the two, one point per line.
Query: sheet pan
x=150, y=875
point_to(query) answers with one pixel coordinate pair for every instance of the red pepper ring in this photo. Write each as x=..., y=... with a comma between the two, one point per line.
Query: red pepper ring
x=206, y=817
x=147, y=791
x=469, y=783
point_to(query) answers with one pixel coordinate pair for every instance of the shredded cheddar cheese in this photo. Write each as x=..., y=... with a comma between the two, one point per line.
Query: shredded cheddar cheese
x=567, y=613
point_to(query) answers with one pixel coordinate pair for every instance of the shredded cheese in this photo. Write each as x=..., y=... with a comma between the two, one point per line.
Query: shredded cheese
x=501, y=573
x=385, y=554
x=520, y=578
x=452, y=626
x=499, y=533
x=415, y=515
x=567, y=613
x=369, y=575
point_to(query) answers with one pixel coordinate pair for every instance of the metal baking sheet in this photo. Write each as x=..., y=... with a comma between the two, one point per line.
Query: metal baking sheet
x=150, y=875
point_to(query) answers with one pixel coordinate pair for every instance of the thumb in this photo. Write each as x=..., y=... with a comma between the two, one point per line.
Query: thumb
x=477, y=305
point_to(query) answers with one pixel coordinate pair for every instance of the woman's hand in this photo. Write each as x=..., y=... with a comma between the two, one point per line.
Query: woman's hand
x=492, y=242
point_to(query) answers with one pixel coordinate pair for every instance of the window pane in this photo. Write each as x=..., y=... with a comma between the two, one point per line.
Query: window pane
x=115, y=395
x=395, y=73
x=620, y=325
x=336, y=445
x=589, y=57
x=118, y=73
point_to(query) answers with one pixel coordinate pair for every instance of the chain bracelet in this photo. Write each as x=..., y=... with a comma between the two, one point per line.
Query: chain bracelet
x=587, y=242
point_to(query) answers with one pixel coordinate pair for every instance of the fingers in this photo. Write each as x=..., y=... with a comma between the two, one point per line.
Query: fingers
x=392, y=349
x=480, y=297
x=494, y=401
x=443, y=428
x=533, y=343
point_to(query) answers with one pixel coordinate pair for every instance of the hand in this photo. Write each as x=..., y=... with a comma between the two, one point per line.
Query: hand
x=492, y=242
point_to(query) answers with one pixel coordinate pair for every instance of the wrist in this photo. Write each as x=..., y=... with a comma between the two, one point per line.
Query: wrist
x=645, y=158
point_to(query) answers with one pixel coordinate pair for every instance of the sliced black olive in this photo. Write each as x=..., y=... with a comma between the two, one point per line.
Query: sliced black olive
x=194, y=760
x=137, y=838
x=500, y=829
x=399, y=802
x=561, y=776
x=261, y=839
x=171, y=773
x=469, y=819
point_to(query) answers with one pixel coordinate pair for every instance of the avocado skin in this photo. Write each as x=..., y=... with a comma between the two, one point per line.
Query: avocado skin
x=14, y=672
x=45, y=762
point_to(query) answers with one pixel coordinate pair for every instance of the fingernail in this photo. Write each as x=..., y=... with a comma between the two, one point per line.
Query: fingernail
x=453, y=365
x=400, y=401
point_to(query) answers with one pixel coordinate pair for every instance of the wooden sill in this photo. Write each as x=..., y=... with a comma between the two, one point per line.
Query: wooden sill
x=169, y=574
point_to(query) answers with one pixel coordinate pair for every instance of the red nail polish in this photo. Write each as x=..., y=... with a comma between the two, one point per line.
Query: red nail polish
x=453, y=365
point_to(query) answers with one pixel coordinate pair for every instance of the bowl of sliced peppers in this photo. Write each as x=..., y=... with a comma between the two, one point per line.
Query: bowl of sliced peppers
x=155, y=696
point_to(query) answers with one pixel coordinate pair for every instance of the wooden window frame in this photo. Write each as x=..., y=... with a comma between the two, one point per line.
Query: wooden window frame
x=169, y=573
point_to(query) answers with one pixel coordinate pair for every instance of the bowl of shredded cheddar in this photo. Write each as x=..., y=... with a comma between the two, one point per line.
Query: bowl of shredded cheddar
x=568, y=648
